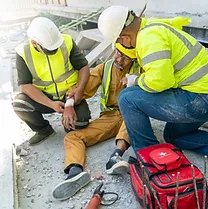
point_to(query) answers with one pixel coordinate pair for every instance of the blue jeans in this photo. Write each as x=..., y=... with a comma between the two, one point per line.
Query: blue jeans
x=183, y=111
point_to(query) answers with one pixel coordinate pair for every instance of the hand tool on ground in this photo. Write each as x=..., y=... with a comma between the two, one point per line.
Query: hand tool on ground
x=205, y=183
x=97, y=197
x=195, y=187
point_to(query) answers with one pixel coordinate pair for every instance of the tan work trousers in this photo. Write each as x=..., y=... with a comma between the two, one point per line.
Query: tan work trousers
x=107, y=126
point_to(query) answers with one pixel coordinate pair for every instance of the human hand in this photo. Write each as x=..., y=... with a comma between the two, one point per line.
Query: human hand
x=131, y=80
x=69, y=117
x=124, y=81
x=58, y=106
x=77, y=94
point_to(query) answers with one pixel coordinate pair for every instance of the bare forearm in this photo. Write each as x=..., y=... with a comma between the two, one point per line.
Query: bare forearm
x=84, y=74
x=36, y=95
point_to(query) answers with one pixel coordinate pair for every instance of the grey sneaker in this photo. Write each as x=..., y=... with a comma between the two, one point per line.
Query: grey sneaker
x=41, y=136
x=70, y=187
x=116, y=165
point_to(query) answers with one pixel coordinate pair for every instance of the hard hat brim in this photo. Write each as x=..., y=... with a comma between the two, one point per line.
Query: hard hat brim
x=55, y=45
x=114, y=43
x=120, y=30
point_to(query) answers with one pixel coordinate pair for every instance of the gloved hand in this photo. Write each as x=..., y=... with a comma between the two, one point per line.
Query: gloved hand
x=131, y=80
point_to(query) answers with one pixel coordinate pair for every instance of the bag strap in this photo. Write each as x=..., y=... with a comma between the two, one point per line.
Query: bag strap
x=133, y=161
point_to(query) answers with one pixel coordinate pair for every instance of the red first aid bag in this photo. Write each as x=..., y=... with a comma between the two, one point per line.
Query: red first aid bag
x=154, y=178
x=165, y=159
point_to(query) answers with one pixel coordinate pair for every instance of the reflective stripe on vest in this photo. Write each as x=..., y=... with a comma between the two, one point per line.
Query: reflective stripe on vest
x=193, y=50
x=156, y=56
x=37, y=79
x=61, y=93
x=200, y=73
x=183, y=62
x=147, y=87
x=107, y=72
x=135, y=69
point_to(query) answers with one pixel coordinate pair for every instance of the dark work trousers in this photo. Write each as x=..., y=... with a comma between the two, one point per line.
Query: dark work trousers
x=32, y=112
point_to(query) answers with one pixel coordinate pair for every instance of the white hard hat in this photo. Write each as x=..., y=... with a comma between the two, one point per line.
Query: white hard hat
x=45, y=32
x=112, y=21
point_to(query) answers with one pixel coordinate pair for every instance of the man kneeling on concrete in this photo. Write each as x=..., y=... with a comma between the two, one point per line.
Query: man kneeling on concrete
x=108, y=125
x=48, y=64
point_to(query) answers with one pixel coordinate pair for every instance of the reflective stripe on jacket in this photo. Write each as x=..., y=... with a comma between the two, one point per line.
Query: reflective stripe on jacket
x=170, y=57
x=106, y=80
x=52, y=74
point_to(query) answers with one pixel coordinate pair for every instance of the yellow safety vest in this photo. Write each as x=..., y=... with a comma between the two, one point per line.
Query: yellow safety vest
x=106, y=80
x=52, y=74
x=170, y=57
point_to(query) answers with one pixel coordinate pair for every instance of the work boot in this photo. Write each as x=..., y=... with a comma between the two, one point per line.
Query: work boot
x=70, y=187
x=116, y=165
x=41, y=136
x=205, y=125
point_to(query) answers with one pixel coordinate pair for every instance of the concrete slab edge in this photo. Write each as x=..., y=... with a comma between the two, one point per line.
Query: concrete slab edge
x=15, y=189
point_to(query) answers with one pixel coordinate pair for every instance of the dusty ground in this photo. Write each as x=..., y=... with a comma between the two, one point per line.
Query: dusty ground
x=40, y=167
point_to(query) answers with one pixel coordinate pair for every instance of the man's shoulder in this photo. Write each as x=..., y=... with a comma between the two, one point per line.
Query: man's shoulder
x=66, y=36
x=20, y=48
x=98, y=69
x=108, y=63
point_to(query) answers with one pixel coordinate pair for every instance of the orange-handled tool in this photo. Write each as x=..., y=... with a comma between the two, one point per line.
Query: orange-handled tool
x=96, y=198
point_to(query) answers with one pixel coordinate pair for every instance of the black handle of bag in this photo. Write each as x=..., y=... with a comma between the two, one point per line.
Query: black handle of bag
x=135, y=162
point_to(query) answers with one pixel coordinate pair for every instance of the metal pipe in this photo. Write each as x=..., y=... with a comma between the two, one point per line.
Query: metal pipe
x=154, y=193
x=176, y=194
x=143, y=189
x=205, y=183
x=195, y=187
x=144, y=197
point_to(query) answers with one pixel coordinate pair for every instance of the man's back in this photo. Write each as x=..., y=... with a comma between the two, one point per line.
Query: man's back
x=174, y=54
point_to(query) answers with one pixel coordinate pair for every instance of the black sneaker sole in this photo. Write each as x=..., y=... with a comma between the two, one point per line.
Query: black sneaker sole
x=121, y=167
x=70, y=187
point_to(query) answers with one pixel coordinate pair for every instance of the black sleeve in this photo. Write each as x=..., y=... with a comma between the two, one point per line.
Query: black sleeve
x=76, y=57
x=23, y=74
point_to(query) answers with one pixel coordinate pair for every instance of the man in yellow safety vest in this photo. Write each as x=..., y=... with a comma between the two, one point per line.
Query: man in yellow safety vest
x=174, y=85
x=48, y=64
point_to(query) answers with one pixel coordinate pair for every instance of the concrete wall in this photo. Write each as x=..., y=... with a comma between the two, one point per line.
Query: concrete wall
x=196, y=9
x=15, y=9
x=169, y=6
x=13, y=5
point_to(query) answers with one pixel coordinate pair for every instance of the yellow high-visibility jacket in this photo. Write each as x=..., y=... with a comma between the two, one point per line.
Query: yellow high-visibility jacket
x=106, y=80
x=170, y=57
x=52, y=74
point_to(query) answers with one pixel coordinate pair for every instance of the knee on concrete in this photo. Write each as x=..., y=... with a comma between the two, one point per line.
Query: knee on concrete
x=22, y=102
